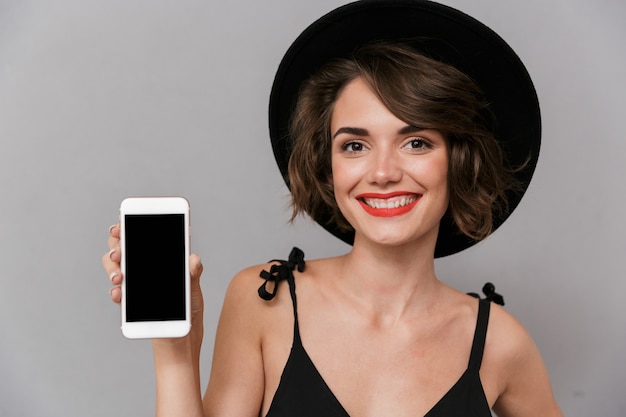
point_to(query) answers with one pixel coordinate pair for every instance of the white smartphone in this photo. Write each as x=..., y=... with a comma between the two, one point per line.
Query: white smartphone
x=154, y=241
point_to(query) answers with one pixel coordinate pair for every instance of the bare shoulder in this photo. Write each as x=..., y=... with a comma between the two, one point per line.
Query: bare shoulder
x=507, y=339
x=243, y=286
x=243, y=294
x=508, y=347
x=243, y=311
x=523, y=385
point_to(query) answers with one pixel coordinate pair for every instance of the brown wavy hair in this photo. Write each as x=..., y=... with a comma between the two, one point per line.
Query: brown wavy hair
x=421, y=92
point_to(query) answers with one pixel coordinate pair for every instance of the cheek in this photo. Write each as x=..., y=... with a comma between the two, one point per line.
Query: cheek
x=344, y=177
x=442, y=176
x=434, y=176
x=341, y=174
x=336, y=176
x=433, y=172
x=440, y=167
x=443, y=181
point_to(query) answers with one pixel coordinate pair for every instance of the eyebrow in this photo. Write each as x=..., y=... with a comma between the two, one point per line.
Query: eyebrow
x=410, y=129
x=358, y=131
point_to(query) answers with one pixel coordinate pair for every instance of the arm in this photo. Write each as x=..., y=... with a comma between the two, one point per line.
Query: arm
x=237, y=383
x=237, y=379
x=176, y=360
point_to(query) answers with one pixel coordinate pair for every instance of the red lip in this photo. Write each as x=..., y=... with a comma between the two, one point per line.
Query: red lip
x=385, y=195
x=387, y=212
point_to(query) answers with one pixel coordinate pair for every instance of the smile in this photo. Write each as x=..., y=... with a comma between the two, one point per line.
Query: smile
x=390, y=205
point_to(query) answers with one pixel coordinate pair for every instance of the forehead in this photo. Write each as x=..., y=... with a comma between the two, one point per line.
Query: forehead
x=358, y=104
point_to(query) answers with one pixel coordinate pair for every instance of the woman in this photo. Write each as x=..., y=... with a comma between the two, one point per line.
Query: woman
x=394, y=152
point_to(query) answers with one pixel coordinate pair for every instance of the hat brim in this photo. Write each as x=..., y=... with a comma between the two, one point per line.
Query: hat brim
x=437, y=31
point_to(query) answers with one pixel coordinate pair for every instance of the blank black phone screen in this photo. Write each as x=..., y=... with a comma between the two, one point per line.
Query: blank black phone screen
x=155, y=267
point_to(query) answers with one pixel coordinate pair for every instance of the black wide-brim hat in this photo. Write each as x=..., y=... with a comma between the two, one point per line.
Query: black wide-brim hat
x=439, y=32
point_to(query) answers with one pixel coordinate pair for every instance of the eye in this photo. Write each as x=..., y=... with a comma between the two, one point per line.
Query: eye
x=418, y=144
x=352, y=147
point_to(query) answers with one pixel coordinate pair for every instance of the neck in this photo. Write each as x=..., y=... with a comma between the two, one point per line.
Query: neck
x=388, y=281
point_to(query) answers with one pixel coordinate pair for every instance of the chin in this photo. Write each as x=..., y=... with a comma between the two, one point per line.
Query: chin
x=398, y=235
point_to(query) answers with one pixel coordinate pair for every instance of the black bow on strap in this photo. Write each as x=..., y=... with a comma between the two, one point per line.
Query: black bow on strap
x=281, y=270
x=490, y=294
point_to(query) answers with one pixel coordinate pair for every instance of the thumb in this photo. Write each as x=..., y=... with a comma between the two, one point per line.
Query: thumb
x=197, y=301
x=195, y=267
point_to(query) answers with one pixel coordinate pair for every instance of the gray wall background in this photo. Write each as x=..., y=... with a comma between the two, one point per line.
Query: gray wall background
x=100, y=100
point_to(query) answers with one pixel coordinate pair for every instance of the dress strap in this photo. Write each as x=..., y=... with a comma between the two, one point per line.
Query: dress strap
x=490, y=294
x=480, y=334
x=283, y=270
x=280, y=271
x=296, y=328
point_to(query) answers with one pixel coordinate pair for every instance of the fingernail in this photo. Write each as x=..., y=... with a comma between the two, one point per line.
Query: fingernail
x=111, y=228
x=113, y=275
x=111, y=252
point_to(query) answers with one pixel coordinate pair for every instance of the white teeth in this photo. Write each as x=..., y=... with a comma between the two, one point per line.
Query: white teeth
x=387, y=204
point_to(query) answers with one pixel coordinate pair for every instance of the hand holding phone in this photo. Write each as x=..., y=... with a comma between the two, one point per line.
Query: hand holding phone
x=154, y=242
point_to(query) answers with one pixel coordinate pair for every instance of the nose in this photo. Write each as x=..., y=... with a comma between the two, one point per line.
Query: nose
x=386, y=167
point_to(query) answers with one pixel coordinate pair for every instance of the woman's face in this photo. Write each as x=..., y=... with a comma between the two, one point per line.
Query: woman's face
x=389, y=178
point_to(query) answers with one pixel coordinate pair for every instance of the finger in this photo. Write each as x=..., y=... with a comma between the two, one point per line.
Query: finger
x=116, y=294
x=115, y=255
x=114, y=231
x=195, y=266
x=114, y=235
x=197, y=301
x=115, y=277
x=113, y=242
x=111, y=263
x=111, y=260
